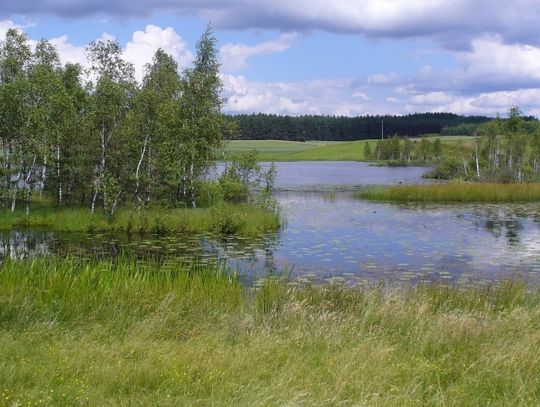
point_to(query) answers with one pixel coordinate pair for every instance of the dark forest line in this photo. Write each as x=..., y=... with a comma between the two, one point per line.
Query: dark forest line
x=340, y=128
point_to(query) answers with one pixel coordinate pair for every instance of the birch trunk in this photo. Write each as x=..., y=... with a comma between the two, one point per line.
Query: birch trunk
x=137, y=172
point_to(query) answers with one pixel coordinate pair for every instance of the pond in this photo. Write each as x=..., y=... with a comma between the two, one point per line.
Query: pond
x=328, y=235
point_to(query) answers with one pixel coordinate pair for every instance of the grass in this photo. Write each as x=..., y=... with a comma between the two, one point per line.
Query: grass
x=277, y=150
x=227, y=219
x=455, y=192
x=126, y=334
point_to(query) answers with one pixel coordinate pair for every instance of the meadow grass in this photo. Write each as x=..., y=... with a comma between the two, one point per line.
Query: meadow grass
x=277, y=150
x=243, y=219
x=75, y=333
x=455, y=192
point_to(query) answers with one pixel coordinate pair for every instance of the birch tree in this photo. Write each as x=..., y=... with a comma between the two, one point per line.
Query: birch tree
x=109, y=103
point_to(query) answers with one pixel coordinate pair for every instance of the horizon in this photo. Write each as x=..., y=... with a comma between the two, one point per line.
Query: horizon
x=344, y=59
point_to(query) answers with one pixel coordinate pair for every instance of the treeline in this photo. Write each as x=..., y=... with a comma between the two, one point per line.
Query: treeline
x=469, y=129
x=302, y=128
x=503, y=150
x=403, y=151
x=107, y=140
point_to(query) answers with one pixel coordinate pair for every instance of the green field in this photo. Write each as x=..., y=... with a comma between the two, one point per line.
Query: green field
x=278, y=150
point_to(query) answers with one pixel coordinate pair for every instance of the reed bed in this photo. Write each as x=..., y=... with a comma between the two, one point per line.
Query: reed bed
x=455, y=192
x=128, y=333
x=242, y=219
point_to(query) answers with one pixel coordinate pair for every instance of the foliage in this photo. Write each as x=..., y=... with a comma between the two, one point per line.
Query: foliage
x=110, y=141
x=244, y=180
x=404, y=151
x=503, y=151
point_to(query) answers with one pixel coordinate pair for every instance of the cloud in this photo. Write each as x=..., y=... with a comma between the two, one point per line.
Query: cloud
x=453, y=22
x=144, y=44
x=361, y=95
x=431, y=99
x=139, y=51
x=68, y=52
x=383, y=79
x=6, y=25
x=234, y=56
x=490, y=66
x=488, y=103
x=328, y=96
x=509, y=66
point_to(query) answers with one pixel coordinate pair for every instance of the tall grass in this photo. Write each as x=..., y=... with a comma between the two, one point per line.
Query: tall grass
x=75, y=333
x=221, y=219
x=455, y=192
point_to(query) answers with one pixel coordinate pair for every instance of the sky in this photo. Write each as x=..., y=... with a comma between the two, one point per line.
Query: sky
x=339, y=57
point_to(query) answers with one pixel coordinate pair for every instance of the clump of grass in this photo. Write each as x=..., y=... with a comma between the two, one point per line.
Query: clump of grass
x=242, y=219
x=455, y=192
x=126, y=333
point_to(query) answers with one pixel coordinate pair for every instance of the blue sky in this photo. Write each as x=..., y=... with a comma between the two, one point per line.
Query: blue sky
x=345, y=57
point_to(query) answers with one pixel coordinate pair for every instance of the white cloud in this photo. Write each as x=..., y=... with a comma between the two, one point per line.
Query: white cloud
x=361, y=95
x=383, y=79
x=138, y=51
x=332, y=97
x=234, y=56
x=69, y=52
x=6, y=25
x=491, y=60
x=144, y=44
x=431, y=99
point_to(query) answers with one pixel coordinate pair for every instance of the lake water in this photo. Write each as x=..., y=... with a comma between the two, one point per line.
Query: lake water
x=328, y=235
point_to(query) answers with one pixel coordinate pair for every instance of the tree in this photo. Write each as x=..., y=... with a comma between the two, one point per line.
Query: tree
x=161, y=84
x=109, y=103
x=367, y=151
x=18, y=146
x=193, y=127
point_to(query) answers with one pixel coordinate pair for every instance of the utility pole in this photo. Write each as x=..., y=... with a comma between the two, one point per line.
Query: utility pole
x=382, y=129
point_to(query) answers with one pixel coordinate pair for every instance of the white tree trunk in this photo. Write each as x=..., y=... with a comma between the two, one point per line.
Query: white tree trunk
x=477, y=159
x=137, y=172
x=58, y=179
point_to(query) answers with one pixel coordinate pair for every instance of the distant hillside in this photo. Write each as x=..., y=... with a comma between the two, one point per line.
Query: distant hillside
x=300, y=128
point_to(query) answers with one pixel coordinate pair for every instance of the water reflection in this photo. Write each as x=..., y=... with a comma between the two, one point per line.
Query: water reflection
x=25, y=244
x=329, y=235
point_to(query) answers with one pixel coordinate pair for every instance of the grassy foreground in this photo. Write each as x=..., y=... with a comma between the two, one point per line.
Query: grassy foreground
x=455, y=192
x=241, y=219
x=99, y=334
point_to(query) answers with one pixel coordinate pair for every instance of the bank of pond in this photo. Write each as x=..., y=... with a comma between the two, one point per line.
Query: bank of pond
x=123, y=332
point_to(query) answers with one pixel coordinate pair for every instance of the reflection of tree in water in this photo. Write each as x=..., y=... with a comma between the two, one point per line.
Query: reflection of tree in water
x=26, y=244
x=507, y=222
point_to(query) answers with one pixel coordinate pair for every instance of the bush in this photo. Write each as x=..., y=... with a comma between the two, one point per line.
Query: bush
x=450, y=168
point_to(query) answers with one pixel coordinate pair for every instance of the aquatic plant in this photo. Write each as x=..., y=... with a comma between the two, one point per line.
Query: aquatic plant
x=455, y=192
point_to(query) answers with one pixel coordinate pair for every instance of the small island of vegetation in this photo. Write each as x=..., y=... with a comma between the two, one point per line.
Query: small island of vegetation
x=108, y=154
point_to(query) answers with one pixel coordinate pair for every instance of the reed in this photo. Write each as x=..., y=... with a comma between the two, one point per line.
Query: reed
x=242, y=219
x=455, y=192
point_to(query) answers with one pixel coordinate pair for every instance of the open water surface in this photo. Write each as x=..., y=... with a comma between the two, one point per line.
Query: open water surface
x=328, y=235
